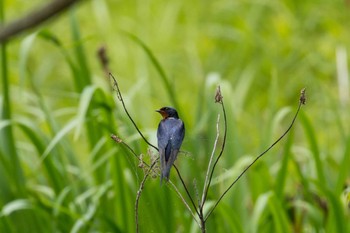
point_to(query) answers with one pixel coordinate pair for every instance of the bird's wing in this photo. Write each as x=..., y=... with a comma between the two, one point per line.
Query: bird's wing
x=163, y=137
x=177, y=134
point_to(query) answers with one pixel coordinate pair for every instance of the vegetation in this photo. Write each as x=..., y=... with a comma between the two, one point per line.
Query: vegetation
x=61, y=172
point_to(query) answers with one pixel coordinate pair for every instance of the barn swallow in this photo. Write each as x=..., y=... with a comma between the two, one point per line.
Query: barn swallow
x=171, y=132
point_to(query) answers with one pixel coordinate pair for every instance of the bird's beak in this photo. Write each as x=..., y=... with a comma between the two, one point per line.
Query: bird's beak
x=163, y=113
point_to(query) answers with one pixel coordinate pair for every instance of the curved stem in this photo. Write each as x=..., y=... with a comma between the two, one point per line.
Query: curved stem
x=188, y=193
x=302, y=101
x=120, y=97
x=218, y=158
x=138, y=196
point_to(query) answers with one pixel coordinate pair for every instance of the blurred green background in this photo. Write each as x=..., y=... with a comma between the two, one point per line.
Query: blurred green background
x=61, y=172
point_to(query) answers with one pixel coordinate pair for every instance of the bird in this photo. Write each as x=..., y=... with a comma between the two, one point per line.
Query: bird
x=170, y=134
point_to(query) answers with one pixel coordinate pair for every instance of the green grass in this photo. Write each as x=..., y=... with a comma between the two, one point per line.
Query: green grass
x=61, y=172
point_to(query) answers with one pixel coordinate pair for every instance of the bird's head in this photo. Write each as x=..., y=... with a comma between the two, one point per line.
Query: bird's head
x=168, y=112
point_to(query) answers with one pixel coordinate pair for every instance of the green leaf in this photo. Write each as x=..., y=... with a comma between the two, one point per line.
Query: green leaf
x=16, y=205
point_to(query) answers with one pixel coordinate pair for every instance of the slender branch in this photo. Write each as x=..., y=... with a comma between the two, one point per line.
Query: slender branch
x=34, y=18
x=138, y=196
x=207, y=180
x=196, y=191
x=218, y=99
x=302, y=101
x=120, y=141
x=205, y=188
x=120, y=97
x=184, y=201
x=188, y=193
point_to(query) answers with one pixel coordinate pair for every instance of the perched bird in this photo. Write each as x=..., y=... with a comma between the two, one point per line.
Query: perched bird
x=171, y=132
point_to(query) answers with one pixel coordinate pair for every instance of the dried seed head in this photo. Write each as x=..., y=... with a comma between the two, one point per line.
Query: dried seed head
x=218, y=96
x=102, y=55
x=156, y=168
x=302, y=98
x=141, y=163
x=116, y=138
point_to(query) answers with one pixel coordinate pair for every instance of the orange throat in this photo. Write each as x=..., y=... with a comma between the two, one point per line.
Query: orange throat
x=164, y=114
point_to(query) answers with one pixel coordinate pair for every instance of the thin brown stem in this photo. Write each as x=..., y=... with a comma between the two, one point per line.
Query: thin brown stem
x=301, y=102
x=120, y=141
x=138, y=196
x=185, y=187
x=220, y=154
x=120, y=97
x=205, y=188
x=184, y=201
x=207, y=180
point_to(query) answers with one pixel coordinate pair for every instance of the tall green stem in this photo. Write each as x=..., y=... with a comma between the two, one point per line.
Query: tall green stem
x=7, y=142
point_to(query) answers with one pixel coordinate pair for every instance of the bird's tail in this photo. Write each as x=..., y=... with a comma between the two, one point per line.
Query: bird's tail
x=165, y=173
x=167, y=166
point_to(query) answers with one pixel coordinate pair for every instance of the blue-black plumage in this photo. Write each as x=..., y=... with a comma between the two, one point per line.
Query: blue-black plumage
x=170, y=134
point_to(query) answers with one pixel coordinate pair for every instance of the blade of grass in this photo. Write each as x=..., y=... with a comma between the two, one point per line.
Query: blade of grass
x=57, y=138
x=7, y=142
x=26, y=47
x=16, y=205
x=4, y=160
x=5, y=177
x=312, y=138
x=82, y=79
x=158, y=67
x=48, y=36
x=304, y=209
x=344, y=168
x=86, y=99
x=280, y=219
x=123, y=199
x=231, y=219
x=82, y=224
x=283, y=171
x=5, y=226
x=259, y=210
x=57, y=181
x=51, y=166
x=337, y=221
x=267, y=206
